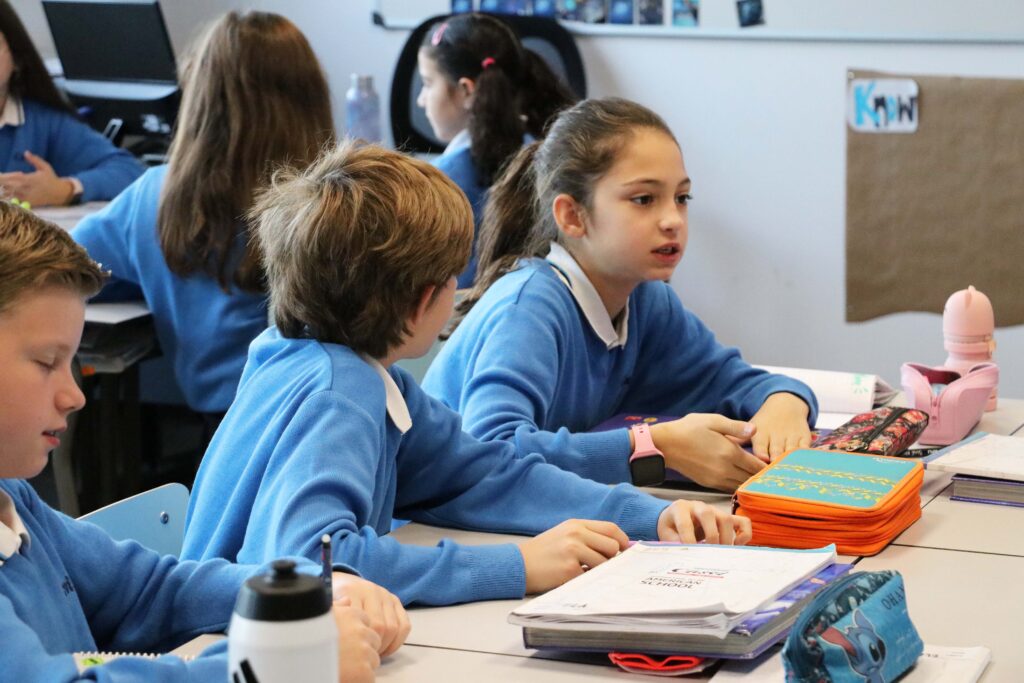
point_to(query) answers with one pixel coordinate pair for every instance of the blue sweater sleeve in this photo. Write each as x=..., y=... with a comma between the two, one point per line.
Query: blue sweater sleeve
x=483, y=485
x=509, y=391
x=75, y=149
x=683, y=369
x=106, y=234
x=133, y=600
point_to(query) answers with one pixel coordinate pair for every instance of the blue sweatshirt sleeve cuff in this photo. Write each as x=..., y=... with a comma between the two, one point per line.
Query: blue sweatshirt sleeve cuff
x=497, y=571
x=639, y=515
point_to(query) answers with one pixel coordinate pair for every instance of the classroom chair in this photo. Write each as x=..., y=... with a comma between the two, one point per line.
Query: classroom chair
x=410, y=129
x=154, y=518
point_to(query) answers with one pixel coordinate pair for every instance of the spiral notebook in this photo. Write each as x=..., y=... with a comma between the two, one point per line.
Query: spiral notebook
x=84, y=660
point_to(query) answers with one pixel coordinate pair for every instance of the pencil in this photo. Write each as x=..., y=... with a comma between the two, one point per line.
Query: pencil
x=325, y=561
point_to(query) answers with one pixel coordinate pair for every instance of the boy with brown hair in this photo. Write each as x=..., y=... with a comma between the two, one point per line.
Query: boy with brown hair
x=328, y=436
x=65, y=585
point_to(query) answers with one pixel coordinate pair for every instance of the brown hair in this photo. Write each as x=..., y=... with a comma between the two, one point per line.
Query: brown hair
x=30, y=79
x=254, y=98
x=35, y=253
x=351, y=243
x=582, y=144
x=516, y=93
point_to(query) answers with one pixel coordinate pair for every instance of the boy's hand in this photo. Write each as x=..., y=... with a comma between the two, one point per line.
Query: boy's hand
x=705, y=448
x=42, y=187
x=559, y=554
x=781, y=426
x=686, y=521
x=383, y=609
x=358, y=644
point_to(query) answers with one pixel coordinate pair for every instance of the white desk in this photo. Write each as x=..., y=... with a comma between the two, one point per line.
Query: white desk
x=67, y=217
x=964, y=598
x=414, y=664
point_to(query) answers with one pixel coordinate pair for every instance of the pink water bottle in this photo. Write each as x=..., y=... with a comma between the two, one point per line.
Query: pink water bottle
x=967, y=326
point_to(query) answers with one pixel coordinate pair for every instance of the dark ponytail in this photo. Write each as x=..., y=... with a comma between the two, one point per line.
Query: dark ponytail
x=515, y=93
x=582, y=144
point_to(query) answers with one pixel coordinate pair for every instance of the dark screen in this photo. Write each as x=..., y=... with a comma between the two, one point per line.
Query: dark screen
x=111, y=41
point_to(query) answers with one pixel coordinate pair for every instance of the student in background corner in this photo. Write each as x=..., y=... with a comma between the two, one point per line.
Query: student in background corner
x=253, y=98
x=47, y=155
x=484, y=94
x=571, y=320
x=65, y=585
x=328, y=436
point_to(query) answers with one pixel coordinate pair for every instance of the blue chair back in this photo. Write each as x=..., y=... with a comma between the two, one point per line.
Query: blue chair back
x=154, y=518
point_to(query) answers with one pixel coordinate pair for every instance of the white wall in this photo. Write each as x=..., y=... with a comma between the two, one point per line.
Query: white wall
x=761, y=126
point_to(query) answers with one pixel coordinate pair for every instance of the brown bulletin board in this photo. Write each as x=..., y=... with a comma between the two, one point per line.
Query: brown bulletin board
x=931, y=212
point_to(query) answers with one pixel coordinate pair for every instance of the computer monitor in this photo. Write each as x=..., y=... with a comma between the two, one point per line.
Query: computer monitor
x=118, y=63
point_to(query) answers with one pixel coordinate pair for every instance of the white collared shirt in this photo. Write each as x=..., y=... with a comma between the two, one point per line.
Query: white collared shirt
x=613, y=335
x=462, y=139
x=398, y=411
x=12, y=531
x=13, y=113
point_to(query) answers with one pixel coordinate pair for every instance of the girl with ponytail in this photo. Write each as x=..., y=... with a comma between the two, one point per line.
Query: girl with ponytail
x=484, y=94
x=571, y=319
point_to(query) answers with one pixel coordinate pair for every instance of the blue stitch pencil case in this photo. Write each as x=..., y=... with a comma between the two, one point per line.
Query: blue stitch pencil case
x=857, y=630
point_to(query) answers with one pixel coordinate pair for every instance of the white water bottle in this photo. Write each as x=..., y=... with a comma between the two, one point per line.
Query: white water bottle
x=282, y=630
x=362, y=109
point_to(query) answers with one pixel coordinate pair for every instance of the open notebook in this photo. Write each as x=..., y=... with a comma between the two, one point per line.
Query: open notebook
x=841, y=395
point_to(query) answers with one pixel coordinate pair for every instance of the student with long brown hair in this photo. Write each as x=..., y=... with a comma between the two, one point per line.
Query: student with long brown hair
x=47, y=155
x=571, y=320
x=254, y=99
x=484, y=94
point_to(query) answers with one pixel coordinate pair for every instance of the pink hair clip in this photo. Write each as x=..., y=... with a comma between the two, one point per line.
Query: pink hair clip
x=488, y=62
x=438, y=33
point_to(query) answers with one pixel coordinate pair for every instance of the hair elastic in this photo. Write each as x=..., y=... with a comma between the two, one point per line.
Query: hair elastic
x=487, y=62
x=438, y=33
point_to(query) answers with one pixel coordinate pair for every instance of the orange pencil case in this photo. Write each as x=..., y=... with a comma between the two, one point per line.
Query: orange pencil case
x=811, y=497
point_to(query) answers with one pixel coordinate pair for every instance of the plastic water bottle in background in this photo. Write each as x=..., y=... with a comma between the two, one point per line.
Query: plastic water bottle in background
x=282, y=630
x=362, y=109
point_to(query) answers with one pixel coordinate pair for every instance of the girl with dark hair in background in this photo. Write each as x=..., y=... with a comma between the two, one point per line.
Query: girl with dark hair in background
x=47, y=155
x=484, y=94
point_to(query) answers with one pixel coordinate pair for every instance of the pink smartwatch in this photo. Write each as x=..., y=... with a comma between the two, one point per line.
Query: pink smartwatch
x=647, y=464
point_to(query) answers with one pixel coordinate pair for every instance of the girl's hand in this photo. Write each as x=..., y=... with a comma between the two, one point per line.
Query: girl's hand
x=40, y=188
x=705, y=448
x=384, y=611
x=781, y=426
x=687, y=521
x=560, y=553
x=358, y=644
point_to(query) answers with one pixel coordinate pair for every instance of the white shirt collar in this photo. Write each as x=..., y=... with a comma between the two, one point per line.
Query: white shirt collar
x=12, y=532
x=13, y=113
x=613, y=335
x=462, y=139
x=398, y=411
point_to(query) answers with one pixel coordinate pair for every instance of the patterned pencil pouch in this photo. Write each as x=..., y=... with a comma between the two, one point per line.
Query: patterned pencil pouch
x=855, y=630
x=886, y=431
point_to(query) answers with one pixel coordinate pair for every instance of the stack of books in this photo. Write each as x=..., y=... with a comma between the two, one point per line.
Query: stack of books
x=667, y=598
x=812, y=497
x=986, y=468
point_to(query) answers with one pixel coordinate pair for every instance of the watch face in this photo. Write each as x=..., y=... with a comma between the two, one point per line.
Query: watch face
x=648, y=470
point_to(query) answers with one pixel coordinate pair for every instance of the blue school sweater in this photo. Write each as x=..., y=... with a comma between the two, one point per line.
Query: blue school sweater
x=457, y=164
x=71, y=147
x=72, y=588
x=309, y=447
x=525, y=367
x=204, y=330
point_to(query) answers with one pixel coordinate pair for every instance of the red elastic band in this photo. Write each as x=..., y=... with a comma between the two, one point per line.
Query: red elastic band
x=488, y=62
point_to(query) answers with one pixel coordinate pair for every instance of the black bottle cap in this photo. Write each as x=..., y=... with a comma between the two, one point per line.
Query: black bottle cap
x=283, y=595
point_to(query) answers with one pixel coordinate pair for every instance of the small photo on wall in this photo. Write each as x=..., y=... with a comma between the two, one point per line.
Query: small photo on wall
x=685, y=12
x=462, y=6
x=751, y=12
x=620, y=12
x=544, y=8
x=650, y=12
x=589, y=11
x=505, y=6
